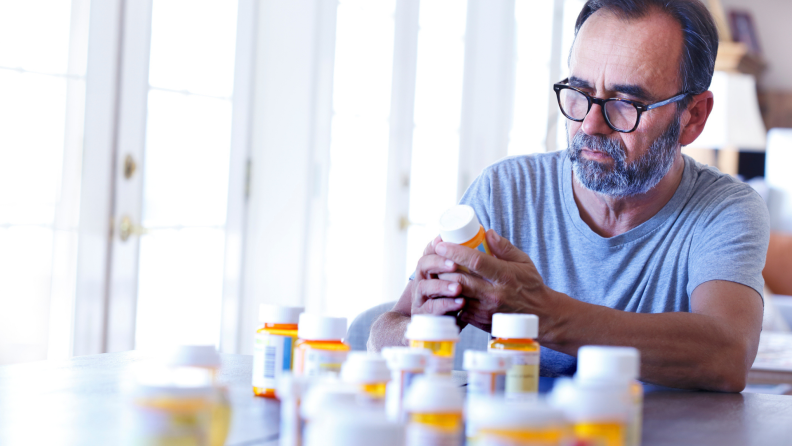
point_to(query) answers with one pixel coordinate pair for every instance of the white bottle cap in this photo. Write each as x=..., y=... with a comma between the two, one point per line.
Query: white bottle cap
x=205, y=356
x=459, y=224
x=496, y=412
x=482, y=361
x=315, y=327
x=434, y=394
x=606, y=363
x=596, y=404
x=276, y=314
x=354, y=428
x=406, y=358
x=365, y=368
x=328, y=395
x=515, y=326
x=426, y=327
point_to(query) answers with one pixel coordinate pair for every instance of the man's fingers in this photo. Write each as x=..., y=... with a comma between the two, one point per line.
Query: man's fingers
x=433, y=264
x=441, y=306
x=474, y=260
x=430, y=247
x=503, y=249
x=428, y=289
x=472, y=286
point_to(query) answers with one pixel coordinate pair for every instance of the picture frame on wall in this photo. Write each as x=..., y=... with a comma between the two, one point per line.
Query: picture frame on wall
x=743, y=30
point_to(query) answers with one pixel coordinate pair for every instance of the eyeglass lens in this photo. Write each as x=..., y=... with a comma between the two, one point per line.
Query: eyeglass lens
x=622, y=115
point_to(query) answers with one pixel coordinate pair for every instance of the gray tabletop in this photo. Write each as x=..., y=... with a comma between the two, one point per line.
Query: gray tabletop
x=79, y=401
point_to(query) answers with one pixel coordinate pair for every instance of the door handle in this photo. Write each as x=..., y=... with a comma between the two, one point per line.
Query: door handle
x=127, y=228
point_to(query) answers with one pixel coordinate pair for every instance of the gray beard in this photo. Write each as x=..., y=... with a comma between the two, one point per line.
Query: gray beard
x=622, y=179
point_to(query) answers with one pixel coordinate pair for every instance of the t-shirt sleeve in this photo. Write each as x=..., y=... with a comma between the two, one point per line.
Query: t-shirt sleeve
x=731, y=242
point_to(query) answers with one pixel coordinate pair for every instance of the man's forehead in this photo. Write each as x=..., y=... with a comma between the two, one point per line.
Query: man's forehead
x=613, y=52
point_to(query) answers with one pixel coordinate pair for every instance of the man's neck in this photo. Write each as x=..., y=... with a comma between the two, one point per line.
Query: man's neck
x=610, y=216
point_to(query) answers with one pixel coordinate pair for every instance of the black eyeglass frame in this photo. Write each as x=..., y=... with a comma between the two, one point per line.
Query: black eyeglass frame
x=641, y=108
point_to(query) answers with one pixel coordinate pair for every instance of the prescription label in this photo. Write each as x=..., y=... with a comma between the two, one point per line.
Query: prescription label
x=322, y=362
x=523, y=375
x=272, y=355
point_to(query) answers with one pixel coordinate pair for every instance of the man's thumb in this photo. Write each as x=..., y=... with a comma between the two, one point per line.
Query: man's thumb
x=504, y=250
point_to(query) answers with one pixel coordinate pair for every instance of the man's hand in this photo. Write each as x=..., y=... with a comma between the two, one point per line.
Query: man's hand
x=426, y=293
x=505, y=283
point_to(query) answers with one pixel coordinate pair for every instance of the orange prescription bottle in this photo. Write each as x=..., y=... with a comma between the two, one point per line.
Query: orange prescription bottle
x=615, y=368
x=405, y=364
x=273, y=350
x=518, y=423
x=439, y=334
x=201, y=364
x=599, y=415
x=369, y=372
x=460, y=225
x=486, y=372
x=514, y=335
x=319, y=349
x=434, y=407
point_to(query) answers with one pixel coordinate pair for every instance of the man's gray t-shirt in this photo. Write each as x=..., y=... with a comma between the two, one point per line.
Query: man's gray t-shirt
x=713, y=228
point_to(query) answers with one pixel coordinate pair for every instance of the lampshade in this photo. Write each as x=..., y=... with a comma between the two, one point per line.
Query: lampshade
x=735, y=122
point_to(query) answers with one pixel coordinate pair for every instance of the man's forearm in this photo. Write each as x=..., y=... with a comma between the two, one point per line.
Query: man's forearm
x=684, y=350
x=388, y=330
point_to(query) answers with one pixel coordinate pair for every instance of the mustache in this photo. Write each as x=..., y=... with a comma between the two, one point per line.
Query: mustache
x=611, y=147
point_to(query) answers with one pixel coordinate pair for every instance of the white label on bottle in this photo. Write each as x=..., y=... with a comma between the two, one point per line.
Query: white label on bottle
x=323, y=362
x=419, y=434
x=272, y=355
x=485, y=383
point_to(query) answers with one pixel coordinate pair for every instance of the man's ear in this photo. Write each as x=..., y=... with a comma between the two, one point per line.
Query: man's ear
x=698, y=111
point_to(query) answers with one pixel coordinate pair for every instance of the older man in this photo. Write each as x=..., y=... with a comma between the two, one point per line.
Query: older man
x=620, y=239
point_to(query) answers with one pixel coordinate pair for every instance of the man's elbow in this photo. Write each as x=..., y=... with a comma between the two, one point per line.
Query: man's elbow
x=730, y=373
x=387, y=330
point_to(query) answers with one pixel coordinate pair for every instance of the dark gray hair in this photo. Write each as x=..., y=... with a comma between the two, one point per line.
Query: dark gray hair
x=700, y=35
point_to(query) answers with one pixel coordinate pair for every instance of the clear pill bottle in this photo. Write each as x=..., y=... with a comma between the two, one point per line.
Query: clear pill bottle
x=273, y=349
x=460, y=225
x=320, y=349
x=354, y=428
x=486, y=372
x=616, y=368
x=201, y=364
x=291, y=390
x=515, y=334
x=369, y=372
x=439, y=334
x=434, y=407
x=405, y=365
x=519, y=423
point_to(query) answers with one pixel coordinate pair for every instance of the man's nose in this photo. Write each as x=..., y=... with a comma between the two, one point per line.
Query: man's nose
x=594, y=123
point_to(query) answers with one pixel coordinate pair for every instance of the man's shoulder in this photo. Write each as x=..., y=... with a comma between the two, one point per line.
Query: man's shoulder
x=720, y=195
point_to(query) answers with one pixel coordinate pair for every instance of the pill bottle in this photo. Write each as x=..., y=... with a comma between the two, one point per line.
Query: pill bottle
x=515, y=334
x=273, y=349
x=327, y=395
x=291, y=390
x=369, y=372
x=202, y=364
x=166, y=406
x=460, y=225
x=439, y=334
x=486, y=372
x=405, y=365
x=319, y=349
x=599, y=415
x=616, y=368
x=519, y=423
x=354, y=428
x=434, y=407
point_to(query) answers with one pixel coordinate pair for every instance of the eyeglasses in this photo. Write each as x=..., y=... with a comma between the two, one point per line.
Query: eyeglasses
x=622, y=115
